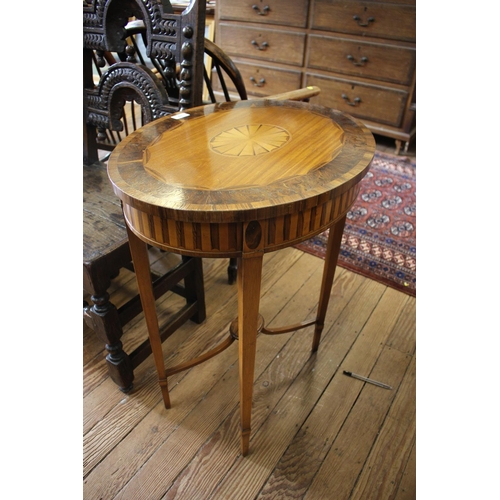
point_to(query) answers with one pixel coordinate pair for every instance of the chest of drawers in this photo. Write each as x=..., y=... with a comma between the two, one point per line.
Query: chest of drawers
x=362, y=54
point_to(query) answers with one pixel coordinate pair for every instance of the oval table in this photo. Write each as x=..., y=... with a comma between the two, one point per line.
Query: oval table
x=239, y=179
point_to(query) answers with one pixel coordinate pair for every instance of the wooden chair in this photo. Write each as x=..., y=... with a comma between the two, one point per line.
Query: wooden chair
x=173, y=41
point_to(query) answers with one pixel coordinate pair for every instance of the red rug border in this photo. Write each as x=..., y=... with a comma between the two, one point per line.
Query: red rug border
x=349, y=267
x=384, y=281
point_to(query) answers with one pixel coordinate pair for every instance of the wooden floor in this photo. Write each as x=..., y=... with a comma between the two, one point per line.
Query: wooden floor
x=316, y=433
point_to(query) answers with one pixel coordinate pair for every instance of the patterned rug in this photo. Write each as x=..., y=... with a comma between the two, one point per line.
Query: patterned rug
x=379, y=239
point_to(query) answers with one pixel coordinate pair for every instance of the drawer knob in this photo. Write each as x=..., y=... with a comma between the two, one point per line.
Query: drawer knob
x=356, y=101
x=259, y=83
x=262, y=12
x=361, y=62
x=264, y=45
x=360, y=23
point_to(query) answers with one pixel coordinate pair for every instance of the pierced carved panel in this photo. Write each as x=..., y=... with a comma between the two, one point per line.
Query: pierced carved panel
x=126, y=80
x=162, y=82
x=103, y=19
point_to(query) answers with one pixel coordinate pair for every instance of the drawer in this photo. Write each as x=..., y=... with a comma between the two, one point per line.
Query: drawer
x=261, y=43
x=283, y=12
x=262, y=80
x=365, y=59
x=371, y=102
x=384, y=20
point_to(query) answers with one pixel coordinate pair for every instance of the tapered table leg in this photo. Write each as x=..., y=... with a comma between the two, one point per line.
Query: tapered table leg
x=249, y=278
x=140, y=257
x=331, y=258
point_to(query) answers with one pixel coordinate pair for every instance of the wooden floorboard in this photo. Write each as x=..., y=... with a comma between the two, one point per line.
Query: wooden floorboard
x=316, y=434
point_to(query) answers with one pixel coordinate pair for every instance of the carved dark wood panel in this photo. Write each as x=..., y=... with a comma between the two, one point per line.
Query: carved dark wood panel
x=174, y=46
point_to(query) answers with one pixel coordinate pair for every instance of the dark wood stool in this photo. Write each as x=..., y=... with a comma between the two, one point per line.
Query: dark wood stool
x=105, y=252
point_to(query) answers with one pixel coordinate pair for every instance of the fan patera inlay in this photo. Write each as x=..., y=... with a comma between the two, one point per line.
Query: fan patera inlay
x=249, y=140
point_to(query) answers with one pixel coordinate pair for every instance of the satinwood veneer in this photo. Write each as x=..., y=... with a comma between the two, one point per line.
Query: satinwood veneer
x=237, y=180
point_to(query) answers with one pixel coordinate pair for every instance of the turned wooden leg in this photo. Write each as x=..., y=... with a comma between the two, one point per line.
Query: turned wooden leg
x=249, y=277
x=140, y=257
x=103, y=318
x=331, y=258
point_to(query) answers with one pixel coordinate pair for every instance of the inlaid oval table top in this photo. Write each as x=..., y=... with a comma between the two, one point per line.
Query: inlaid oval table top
x=240, y=160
